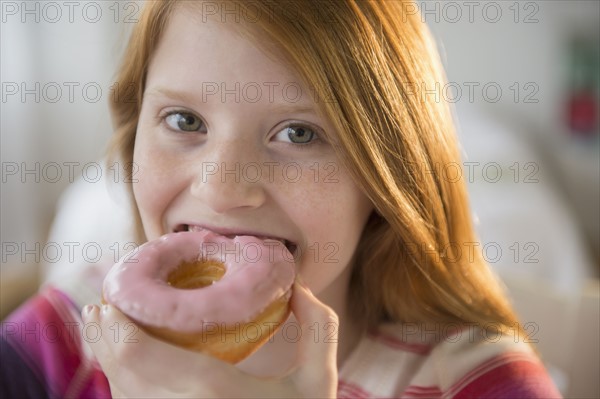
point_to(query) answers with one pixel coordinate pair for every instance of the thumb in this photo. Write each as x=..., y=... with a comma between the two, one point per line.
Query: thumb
x=317, y=357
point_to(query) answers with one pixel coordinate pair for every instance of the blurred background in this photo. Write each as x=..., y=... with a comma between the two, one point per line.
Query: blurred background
x=523, y=77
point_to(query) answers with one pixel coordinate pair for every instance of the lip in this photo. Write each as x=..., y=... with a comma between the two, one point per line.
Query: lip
x=232, y=232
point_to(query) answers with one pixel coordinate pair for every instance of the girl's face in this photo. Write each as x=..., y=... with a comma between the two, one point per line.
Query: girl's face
x=229, y=140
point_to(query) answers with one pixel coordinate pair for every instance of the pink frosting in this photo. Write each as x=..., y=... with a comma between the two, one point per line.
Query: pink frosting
x=257, y=272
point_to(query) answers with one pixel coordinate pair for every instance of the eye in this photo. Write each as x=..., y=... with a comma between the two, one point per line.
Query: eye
x=296, y=135
x=185, y=121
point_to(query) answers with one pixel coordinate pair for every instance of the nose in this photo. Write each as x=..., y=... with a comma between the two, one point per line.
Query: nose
x=229, y=181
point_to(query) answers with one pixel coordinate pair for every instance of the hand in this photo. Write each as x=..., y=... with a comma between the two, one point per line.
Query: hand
x=143, y=366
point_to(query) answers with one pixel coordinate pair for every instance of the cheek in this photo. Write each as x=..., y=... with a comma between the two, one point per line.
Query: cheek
x=155, y=184
x=337, y=210
x=331, y=216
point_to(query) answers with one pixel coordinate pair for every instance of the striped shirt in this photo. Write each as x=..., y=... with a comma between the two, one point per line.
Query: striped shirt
x=44, y=355
x=403, y=361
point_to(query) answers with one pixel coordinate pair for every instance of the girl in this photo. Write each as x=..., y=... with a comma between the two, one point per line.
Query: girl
x=300, y=120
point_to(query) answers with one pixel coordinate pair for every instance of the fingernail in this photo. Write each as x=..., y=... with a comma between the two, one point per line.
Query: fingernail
x=104, y=309
x=87, y=309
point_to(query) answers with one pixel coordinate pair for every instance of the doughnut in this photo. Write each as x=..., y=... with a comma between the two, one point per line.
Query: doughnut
x=202, y=291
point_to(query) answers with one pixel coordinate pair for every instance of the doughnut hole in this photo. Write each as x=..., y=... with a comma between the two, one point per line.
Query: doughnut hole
x=199, y=274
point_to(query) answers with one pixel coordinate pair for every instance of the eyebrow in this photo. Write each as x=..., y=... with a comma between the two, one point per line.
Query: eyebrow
x=172, y=94
x=282, y=107
x=290, y=107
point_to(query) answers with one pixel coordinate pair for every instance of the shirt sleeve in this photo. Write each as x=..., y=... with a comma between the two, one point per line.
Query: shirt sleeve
x=45, y=354
x=17, y=380
x=515, y=379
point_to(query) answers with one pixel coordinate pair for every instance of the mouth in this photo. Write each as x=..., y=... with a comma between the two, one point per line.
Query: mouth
x=291, y=246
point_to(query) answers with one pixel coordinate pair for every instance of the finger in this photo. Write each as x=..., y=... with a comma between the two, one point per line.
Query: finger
x=93, y=334
x=119, y=355
x=96, y=334
x=128, y=347
x=101, y=332
x=318, y=344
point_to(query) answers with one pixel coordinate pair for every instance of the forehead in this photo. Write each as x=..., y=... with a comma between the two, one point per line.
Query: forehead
x=195, y=51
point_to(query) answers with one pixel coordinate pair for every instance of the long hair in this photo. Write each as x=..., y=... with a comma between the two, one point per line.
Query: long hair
x=372, y=66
